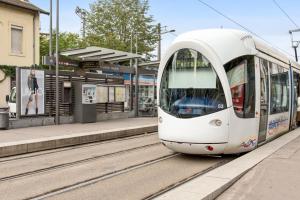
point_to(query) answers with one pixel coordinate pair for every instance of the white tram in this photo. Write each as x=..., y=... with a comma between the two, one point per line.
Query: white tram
x=221, y=91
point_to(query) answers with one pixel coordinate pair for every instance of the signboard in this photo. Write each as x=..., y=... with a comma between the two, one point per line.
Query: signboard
x=63, y=61
x=111, y=94
x=202, y=78
x=120, y=94
x=88, y=94
x=32, y=92
x=90, y=64
x=102, y=94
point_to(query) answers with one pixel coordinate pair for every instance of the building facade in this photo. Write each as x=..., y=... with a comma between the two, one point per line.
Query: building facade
x=19, y=38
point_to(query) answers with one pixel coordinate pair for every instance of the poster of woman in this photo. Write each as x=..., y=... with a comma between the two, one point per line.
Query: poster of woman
x=32, y=92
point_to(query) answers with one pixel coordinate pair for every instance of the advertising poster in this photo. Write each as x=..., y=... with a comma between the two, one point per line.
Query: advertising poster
x=102, y=94
x=120, y=94
x=32, y=92
x=111, y=94
x=88, y=94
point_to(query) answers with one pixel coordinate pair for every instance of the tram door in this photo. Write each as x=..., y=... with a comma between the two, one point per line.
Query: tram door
x=295, y=95
x=264, y=100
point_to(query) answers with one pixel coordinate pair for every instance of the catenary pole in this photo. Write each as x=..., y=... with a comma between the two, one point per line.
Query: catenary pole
x=50, y=33
x=136, y=80
x=57, y=65
x=159, y=42
x=296, y=54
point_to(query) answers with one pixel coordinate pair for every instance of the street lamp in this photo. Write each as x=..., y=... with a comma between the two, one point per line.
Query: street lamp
x=295, y=44
x=159, y=39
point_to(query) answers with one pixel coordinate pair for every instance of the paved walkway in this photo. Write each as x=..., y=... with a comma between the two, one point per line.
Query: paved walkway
x=270, y=172
x=16, y=135
x=275, y=178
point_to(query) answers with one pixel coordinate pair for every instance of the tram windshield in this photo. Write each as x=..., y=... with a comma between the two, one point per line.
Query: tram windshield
x=190, y=87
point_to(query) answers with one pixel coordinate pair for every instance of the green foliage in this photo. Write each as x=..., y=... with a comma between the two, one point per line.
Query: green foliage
x=67, y=41
x=8, y=71
x=114, y=23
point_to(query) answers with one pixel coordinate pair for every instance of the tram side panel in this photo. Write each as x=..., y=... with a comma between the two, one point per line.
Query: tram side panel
x=280, y=99
x=244, y=119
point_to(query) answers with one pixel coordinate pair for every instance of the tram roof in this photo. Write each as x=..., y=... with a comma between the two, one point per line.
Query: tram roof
x=240, y=43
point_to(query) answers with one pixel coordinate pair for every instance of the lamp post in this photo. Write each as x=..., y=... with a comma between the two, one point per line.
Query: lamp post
x=295, y=44
x=159, y=39
x=57, y=66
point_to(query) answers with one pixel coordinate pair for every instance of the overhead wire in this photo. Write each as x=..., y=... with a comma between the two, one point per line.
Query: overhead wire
x=240, y=25
x=285, y=13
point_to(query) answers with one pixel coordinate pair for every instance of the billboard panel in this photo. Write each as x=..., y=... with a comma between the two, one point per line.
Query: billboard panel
x=32, y=92
x=102, y=94
x=120, y=94
x=111, y=95
x=88, y=94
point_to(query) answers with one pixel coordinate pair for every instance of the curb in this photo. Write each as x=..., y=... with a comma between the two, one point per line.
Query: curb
x=212, y=184
x=34, y=145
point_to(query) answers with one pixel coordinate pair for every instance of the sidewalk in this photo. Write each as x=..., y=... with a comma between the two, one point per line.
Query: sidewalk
x=270, y=172
x=25, y=140
x=275, y=178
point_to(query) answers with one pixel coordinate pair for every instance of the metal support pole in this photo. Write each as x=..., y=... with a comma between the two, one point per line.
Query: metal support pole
x=136, y=81
x=57, y=65
x=159, y=42
x=18, y=88
x=84, y=25
x=296, y=55
x=50, y=33
x=131, y=92
x=131, y=75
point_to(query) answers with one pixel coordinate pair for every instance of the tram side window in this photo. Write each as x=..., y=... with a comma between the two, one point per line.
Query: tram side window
x=241, y=76
x=279, y=89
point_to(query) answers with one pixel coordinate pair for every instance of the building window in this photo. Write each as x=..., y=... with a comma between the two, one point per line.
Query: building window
x=241, y=76
x=17, y=40
x=279, y=89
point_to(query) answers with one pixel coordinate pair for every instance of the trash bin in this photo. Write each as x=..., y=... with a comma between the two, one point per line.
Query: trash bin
x=4, y=118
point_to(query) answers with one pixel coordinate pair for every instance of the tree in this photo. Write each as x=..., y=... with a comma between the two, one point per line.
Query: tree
x=67, y=41
x=114, y=23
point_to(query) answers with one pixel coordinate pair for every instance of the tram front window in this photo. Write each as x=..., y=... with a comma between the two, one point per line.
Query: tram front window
x=190, y=87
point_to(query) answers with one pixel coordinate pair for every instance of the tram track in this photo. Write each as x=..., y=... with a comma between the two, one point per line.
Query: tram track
x=63, y=149
x=174, y=185
x=109, y=166
x=70, y=164
x=105, y=187
x=100, y=178
x=82, y=175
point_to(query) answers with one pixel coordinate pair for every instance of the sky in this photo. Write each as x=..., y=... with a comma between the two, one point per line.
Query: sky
x=262, y=17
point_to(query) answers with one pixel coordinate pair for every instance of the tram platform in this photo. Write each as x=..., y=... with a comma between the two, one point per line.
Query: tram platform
x=28, y=140
x=269, y=172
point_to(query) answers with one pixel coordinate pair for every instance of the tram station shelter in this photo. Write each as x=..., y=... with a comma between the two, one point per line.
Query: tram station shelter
x=108, y=61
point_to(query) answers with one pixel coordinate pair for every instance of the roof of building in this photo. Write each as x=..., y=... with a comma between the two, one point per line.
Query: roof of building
x=100, y=54
x=24, y=4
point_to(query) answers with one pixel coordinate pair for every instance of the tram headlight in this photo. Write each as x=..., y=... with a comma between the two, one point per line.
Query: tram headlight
x=216, y=122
